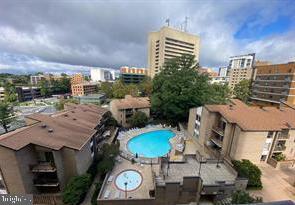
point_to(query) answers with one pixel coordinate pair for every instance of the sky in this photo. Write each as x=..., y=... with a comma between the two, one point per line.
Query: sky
x=76, y=35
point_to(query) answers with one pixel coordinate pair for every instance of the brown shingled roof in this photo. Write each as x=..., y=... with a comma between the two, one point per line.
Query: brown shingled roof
x=132, y=102
x=71, y=128
x=255, y=118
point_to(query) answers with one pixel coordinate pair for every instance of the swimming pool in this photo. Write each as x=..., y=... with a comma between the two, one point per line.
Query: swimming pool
x=131, y=178
x=151, y=144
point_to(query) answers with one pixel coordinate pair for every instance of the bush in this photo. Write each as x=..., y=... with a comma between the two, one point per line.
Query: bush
x=247, y=169
x=242, y=197
x=95, y=193
x=279, y=157
x=107, y=157
x=138, y=119
x=76, y=189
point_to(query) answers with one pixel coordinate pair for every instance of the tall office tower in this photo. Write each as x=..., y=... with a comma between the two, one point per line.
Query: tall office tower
x=169, y=43
x=240, y=68
x=274, y=84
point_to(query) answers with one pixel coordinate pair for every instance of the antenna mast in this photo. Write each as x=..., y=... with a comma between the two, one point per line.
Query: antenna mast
x=167, y=21
x=185, y=24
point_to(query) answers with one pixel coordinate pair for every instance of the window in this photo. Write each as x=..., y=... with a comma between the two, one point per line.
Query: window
x=198, y=118
x=270, y=134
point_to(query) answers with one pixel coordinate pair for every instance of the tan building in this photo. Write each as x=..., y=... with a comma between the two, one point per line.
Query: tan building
x=169, y=43
x=123, y=109
x=84, y=89
x=209, y=71
x=240, y=68
x=274, y=83
x=77, y=79
x=132, y=75
x=238, y=131
x=44, y=155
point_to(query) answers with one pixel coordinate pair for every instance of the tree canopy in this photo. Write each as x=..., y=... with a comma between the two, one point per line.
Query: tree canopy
x=10, y=93
x=179, y=87
x=242, y=197
x=242, y=90
x=6, y=115
x=138, y=119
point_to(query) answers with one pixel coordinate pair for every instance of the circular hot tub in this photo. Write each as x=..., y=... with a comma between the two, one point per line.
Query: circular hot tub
x=128, y=180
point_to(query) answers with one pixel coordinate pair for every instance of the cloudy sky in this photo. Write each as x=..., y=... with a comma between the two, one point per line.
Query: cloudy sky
x=70, y=35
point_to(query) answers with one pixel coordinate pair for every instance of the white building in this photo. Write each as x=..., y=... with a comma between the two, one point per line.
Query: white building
x=104, y=74
x=223, y=71
x=241, y=61
x=36, y=79
x=219, y=80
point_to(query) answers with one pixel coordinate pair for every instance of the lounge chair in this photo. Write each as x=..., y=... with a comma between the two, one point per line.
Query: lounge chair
x=106, y=194
x=110, y=179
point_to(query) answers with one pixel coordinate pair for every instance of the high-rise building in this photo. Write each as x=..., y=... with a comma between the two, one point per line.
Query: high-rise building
x=223, y=71
x=169, y=43
x=132, y=75
x=273, y=84
x=104, y=74
x=240, y=68
x=77, y=78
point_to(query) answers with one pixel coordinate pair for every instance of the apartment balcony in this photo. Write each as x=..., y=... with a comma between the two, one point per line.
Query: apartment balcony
x=43, y=167
x=218, y=142
x=283, y=136
x=218, y=130
x=279, y=148
x=41, y=182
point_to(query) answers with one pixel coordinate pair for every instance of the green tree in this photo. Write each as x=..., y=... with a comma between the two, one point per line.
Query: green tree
x=242, y=197
x=242, y=90
x=279, y=157
x=107, y=88
x=107, y=157
x=6, y=115
x=119, y=89
x=76, y=189
x=179, y=87
x=247, y=169
x=146, y=87
x=45, y=88
x=220, y=94
x=138, y=119
x=132, y=89
x=10, y=93
x=61, y=104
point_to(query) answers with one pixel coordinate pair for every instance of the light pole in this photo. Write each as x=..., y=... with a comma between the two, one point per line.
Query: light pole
x=217, y=165
x=126, y=183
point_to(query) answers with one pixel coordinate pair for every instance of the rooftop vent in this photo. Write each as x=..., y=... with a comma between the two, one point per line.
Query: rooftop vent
x=66, y=115
x=73, y=111
x=74, y=119
x=43, y=125
x=50, y=130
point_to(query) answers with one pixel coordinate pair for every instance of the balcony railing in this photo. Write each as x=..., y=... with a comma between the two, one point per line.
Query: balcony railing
x=218, y=130
x=280, y=148
x=46, y=182
x=283, y=136
x=43, y=167
x=216, y=141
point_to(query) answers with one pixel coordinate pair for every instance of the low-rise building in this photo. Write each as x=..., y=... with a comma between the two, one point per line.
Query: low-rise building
x=274, y=83
x=28, y=93
x=85, y=88
x=132, y=75
x=123, y=109
x=92, y=98
x=2, y=93
x=219, y=80
x=36, y=79
x=238, y=131
x=43, y=156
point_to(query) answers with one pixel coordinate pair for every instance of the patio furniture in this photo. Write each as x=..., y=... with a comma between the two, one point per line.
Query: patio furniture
x=107, y=194
x=110, y=179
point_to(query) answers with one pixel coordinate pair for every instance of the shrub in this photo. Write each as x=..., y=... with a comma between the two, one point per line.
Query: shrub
x=107, y=157
x=76, y=189
x=279, y=157
x=95, y=193
x=242, y=197
x=138, y=119
x=247, y=169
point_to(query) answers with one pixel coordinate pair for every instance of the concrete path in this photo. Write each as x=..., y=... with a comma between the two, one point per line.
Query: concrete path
x=87, y=200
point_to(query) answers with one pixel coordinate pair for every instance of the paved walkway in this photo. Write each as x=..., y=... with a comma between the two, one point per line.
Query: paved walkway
x=275, y=184
x=87, y=200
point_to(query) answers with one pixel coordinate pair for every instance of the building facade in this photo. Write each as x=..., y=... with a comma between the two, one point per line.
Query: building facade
x=36, y=79
x=237, y=131
x=45, y=154
x=240, y=68
x=223, y=71
x=84, y=89
x=273, y=84
x=78, y=78
x=28, y=93
x=123, y=109
x=132, y=75
x=104, y=74
x=219, y=80
x=169, y=43
x=2, y=93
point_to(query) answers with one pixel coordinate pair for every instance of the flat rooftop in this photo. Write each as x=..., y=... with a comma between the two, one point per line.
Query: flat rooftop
x=210, y=174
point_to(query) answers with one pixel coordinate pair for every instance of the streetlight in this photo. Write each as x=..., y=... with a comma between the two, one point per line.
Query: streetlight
x=126, y=183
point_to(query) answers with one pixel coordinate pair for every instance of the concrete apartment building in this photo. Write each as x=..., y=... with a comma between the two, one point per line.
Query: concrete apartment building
x=238, y=131
x=132, y=75
x=2, y=93
x=104, y=74
x=169, y=43
x=80, y=87
x=28, y=93
x=240, y=68
x=123, y=109
x=42, y=157
x=274, y=83
x=36, y=79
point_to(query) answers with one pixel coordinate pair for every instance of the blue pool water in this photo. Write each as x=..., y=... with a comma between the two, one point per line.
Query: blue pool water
x=131, y=177
x=151, y=144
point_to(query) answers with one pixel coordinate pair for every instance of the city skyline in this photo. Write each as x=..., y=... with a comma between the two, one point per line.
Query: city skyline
x=70, y=36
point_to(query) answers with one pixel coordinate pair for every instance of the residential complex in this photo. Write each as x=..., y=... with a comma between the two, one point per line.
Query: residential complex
x=45, y=154
x=104, y=74
x=274, y=83
x=80, y=87
x=132, y=74
x=123, y=109
x=240, y=68
x=28, y=93
x=2, y=93
x=169, y=43
x=238, y=131
x=77, y=79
